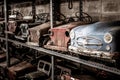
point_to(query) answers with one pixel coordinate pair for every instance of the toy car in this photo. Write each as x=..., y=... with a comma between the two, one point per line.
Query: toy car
x=100, y=40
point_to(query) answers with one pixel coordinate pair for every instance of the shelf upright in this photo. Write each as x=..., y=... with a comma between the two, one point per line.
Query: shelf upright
x=51, y=13
x=6, y=34
x=51, y=24
x=33, y=9
x=80, y=9
x=52, y=62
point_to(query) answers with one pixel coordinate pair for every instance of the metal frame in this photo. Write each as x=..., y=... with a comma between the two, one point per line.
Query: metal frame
x=80, y=9
x=52, y=61
x=53, y=53
x=6, y=34
x=33, y=9
x=68, y=57
x=51, y=13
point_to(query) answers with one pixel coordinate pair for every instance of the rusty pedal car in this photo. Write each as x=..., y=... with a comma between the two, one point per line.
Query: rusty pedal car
x=3, y=67
x=25, y=25
x=36, y=34
x=17, y=72
x=43, y=71
x=59, y=36
x=100, y=40
x=12, y=26
x=23, y=32
x=60, y=71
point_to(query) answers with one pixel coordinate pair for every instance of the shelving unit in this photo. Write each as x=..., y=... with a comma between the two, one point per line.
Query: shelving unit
x=53, y=53
x=6, y=35
x=68, y=57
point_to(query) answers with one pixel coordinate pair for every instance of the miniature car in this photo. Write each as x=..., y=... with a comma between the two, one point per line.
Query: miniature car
x=100, y=40
x=59, y=36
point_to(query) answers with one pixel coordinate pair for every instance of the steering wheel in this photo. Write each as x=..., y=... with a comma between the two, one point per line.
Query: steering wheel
x=18, y=14
x=85, y=17
x=42, y=18
x=60, y=16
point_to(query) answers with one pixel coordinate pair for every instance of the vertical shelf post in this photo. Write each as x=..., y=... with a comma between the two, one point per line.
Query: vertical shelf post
x=56, y=10
x=33, y=9
x=80, y=9
x=51, y=24
x=51, y=13
x=52, y=61
x=6, y=35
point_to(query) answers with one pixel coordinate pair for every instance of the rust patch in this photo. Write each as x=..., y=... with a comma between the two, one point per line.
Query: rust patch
x=20, y=69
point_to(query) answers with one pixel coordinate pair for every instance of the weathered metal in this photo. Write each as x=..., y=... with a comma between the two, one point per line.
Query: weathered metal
x=3, y=67
x=60, y=71
x=23, y=32
x=12, y=26
x=13, y=61
x=59, y=38
x=100, y=39
x=20, y=69
x=43, y=72
x=37, y=33
x=2, y=28
x=37, y=75
x=15, y=15
x=2, y=57
x=71, y=58
x=44, y=67
x=42, y=18
x=68, y=77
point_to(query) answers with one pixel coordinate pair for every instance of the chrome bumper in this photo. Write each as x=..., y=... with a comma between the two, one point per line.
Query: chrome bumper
x=92, y=53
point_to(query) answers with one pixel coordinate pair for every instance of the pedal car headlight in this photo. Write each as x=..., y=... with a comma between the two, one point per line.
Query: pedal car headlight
x=108, y=38
x=72, y=34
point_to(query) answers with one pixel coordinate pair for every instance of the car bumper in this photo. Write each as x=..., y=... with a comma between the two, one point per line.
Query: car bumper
x=92, y=53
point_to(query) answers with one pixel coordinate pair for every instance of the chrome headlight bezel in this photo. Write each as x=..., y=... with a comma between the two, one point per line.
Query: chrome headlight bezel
x=72, y=34
x=108, y=38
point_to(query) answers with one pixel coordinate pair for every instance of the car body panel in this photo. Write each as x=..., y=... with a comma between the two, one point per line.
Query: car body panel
x=60, y=36
x=20, y=69
x=89, y=39
x=12, y=26
x=37, y=33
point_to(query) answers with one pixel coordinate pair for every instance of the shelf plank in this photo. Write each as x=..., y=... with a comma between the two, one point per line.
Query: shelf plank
x=68, y=57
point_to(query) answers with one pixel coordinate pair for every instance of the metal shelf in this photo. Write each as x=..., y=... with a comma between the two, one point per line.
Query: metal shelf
x=53, y=53
x=71, y=58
